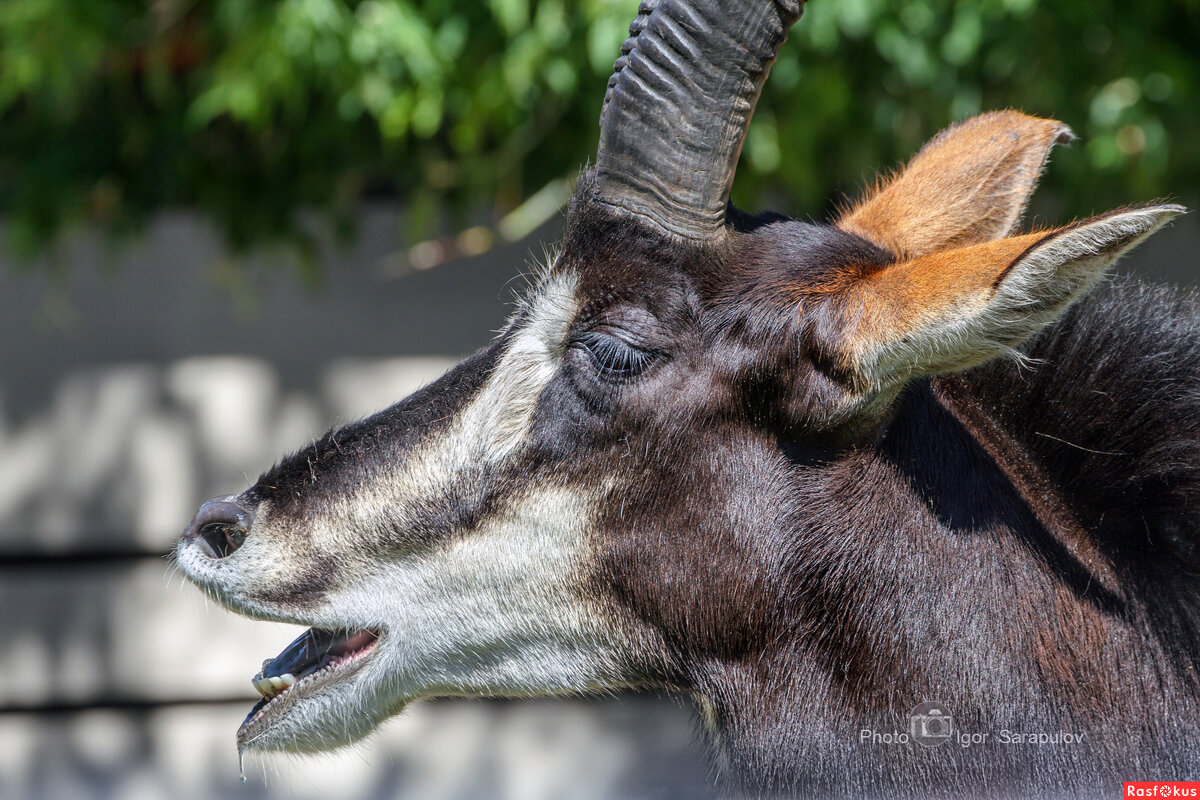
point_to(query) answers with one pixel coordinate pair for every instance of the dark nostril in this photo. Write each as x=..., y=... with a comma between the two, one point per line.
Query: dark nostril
x=221, y=539
x=220, y=528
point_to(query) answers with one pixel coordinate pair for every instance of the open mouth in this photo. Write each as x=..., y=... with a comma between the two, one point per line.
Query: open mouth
x=317, y=658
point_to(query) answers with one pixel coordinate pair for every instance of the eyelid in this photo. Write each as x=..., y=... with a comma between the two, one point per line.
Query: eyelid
x=615, y=333
x=613, y=353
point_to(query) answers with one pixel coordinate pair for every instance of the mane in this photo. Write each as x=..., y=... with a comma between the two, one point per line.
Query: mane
x=1101, y=433
x=1109, y=407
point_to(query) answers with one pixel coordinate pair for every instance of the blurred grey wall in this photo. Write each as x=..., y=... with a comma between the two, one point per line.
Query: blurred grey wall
x=143, y=383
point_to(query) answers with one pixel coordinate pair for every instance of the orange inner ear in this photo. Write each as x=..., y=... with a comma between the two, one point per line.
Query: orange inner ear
x=905, y=297
x=968, y=185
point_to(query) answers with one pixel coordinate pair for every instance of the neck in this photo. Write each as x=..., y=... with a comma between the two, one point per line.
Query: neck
x=987, y=592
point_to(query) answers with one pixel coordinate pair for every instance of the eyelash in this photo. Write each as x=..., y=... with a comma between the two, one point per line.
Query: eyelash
x=614, y=356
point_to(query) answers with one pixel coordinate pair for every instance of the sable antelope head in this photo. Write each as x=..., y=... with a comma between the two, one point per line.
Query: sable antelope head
x=610, y=494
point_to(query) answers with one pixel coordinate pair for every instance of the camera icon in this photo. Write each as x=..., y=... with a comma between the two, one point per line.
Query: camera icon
x=931, y=724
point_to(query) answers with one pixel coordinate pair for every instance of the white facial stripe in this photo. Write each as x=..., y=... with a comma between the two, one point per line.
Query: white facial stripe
x=487, y=431
x=498, y=418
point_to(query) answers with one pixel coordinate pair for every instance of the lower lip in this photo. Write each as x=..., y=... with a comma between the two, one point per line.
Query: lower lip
x=330, y=670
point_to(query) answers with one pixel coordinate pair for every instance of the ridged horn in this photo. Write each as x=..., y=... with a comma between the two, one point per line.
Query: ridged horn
x=678, y=106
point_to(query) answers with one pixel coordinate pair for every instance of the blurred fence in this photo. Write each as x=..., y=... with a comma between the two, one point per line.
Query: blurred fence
x=127, y=397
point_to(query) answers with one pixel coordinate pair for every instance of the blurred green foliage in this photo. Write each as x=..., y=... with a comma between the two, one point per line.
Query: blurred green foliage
x=255, y=110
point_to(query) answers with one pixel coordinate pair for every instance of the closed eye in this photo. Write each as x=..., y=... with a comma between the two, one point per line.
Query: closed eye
x=614, y=356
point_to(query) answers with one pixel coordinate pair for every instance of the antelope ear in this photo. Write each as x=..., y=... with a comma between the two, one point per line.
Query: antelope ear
x=968, y=185
x=956, y=309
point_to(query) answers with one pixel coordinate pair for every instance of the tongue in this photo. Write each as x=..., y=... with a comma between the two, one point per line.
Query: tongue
x=312, y=649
